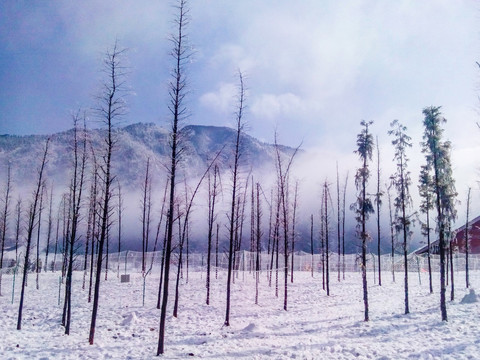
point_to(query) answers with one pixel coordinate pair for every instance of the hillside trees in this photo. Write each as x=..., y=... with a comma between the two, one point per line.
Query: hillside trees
x=363, y=206
x=401, y=181
x=111, y=107
x=181, y=55
x=437, y=156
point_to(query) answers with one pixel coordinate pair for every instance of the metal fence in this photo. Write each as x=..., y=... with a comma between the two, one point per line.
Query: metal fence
x=131, y=262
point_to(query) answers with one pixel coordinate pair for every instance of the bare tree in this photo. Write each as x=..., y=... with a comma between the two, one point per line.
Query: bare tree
x=76, y=190
x=162, y=267
x=119, y=235
x=18, y=226
x=378, y=202
x=212, y=196
x=93, y=219
x=258, y=247
x=235, y=173
x=467, y=240
x=311, y=241
x=183, y=232
x=5, y=214
x=283, y=180
x=294, y=221
x=326, y=222
x=343, y=222
x=338, y=226
x=146, y=221
x=32, y=218
x=111, y=106
x=49, y=228
x=181, y=55
x=38, y=262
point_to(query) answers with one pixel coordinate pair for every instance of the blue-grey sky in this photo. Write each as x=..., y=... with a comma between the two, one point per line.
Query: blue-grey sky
x=313, y=69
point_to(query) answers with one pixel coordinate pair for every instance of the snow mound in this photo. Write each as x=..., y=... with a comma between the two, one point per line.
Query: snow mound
x=470, y=298
x=250, y=327
x=130, y=319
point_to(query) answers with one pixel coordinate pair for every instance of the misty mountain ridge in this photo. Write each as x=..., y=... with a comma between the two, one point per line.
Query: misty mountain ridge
x=134, y=144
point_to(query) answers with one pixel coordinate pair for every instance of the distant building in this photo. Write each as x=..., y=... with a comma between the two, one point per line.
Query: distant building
x=459, y=239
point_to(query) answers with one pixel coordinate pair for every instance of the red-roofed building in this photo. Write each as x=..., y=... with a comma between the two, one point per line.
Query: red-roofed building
x=459, y=240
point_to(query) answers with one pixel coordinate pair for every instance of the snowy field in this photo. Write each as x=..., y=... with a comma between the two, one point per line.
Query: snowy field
x=314, y=327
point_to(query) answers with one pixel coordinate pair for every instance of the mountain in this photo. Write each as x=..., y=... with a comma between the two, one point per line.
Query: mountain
x=134, y=144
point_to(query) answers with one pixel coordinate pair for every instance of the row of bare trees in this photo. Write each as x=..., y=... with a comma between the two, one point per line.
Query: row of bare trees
x=436, y=190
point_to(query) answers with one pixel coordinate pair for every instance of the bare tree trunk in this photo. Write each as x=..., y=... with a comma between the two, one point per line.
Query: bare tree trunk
x=378, y=201
x=393, y=233
x=311, y=241
x=120, y=209
x=294, y=220
x=76, y=191
x=38, y=265
x=30, y=228
x=4, y=221
x=49, y=229
x=94, y=221
x=146, y=220
x=343, y=223
x=327, y=265
x=177, y=108
x=18, y=227
x=467, y=241
x=162, y=213
x=212, y=194
x=452, y=279
x=429, y=257
x=258, y=246
x=111, y=106
x=216, y=251
x=235, y=173
x=338, y=226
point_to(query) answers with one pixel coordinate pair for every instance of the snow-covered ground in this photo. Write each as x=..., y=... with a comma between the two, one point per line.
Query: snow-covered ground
x=314, y=327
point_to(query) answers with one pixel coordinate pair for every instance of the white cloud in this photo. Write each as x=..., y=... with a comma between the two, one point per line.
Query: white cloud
x=221, y=100
x=271, y=107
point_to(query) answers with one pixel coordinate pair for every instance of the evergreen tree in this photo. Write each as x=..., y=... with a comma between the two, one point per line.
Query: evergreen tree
x=426, y=204
x=437, y=155
x=363, y=206
x=403, y=202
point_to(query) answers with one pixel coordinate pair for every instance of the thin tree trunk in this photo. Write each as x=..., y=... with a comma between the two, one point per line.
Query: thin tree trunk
x=311, y=241
x=30, y=228
x=4, y=221
x=467, y=240
x=233, y=213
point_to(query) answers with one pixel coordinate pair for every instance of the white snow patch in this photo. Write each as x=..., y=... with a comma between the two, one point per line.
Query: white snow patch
x=470, y=298
x=315, y=326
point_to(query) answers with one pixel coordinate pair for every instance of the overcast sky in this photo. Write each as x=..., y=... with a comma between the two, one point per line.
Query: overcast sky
x=314, y=69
